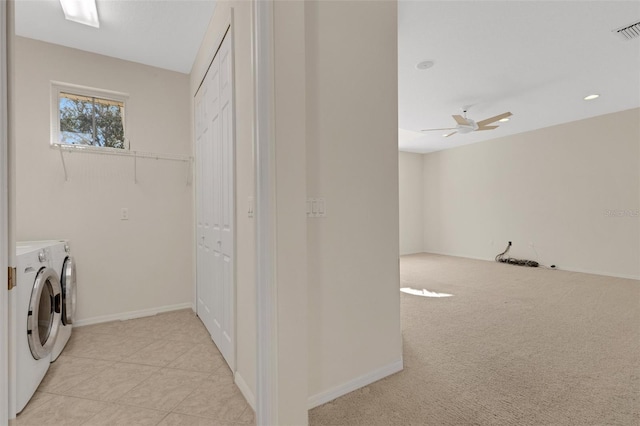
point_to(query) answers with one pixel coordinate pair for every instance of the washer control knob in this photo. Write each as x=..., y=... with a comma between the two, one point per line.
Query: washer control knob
x=42, y=256
x=67, y=249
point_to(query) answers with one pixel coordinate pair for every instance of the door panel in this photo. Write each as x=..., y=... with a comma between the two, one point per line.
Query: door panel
x=215, y=202
x=201, y=270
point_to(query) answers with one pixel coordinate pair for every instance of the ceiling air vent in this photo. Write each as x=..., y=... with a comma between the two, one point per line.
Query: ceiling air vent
x=629, y=32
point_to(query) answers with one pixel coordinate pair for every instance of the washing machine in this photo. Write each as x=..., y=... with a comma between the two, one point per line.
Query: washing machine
x=34, y=321
x=64, y=265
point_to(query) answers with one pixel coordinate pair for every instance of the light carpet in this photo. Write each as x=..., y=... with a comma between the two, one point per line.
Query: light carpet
x=512, y=346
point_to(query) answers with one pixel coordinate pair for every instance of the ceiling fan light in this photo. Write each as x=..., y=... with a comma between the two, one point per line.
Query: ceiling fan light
x=504, y=120
x=81, y=11
x=591, y=97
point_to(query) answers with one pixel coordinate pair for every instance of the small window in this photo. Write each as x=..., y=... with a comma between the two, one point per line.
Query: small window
x=84, y=116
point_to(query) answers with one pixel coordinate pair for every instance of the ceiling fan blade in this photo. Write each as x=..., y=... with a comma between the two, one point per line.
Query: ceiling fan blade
x=487, y=128
x=446, y=128
x=494, y=119
x=460, y=120
x=450, y=134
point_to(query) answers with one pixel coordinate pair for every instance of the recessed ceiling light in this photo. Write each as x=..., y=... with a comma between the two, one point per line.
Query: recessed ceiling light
x=590, y=97
x=504, y=120
x=81, y=11
x=424, y=65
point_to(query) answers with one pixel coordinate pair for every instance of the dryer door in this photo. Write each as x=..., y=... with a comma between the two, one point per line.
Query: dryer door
x=44, y=315
x=68, y=285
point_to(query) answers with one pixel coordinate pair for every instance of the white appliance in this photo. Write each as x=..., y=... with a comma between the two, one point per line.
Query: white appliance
x=64, y=265
x=34, y=322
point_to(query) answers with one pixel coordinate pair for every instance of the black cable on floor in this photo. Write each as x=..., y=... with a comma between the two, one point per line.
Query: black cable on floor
x=512, y=261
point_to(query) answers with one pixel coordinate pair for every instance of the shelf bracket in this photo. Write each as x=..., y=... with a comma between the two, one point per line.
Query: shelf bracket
x=190, y=171
x=135, y=169
x=64, y=166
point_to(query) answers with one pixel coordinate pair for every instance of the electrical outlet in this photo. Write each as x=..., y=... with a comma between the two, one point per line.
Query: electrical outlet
x=251, y=209
x=316, y=207
x=124, y=213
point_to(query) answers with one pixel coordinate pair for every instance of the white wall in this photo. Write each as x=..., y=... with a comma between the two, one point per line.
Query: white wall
x=123, y=266
x=352, y=162
x=245, y=228
x=551, y=188
x=410, y=168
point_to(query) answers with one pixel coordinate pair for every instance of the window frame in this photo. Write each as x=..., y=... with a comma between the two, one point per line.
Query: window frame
x=75, y=89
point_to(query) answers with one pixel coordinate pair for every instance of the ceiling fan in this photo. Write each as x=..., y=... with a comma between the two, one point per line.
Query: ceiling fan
x=467, y=125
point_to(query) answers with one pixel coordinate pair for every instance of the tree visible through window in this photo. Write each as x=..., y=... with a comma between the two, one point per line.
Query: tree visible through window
x=88, y=120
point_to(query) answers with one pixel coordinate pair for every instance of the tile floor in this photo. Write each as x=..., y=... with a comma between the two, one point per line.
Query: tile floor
x=159, y=370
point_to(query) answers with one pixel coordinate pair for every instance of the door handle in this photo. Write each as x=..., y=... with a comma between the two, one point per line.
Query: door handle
x=57, y=304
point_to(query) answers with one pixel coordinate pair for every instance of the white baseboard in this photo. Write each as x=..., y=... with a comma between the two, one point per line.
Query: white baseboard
x=561, y=268
x=605, y=274
x=244, y=388
x=459, y=255
x=132, y=314
x=357, y=383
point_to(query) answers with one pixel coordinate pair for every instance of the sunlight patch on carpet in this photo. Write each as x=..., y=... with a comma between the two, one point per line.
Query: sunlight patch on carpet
x=423, y=292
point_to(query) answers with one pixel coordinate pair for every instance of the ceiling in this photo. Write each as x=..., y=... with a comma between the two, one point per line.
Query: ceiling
x=535, y=59
x=164, y=34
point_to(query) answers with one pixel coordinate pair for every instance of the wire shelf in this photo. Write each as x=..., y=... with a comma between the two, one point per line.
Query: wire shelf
x=82, y=149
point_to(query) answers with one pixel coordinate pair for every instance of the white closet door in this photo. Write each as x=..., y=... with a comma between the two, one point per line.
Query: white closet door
x=202, y=222
x=227, y=201
x=215, y=201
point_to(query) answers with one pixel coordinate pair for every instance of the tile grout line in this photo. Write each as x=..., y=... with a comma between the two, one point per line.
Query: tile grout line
x=71, y=397
x=164, y=417
x=232, y=383
x=81, y=397
x=191, y=393
x=116, y=401
x=84, y=422
x=135, y=387
x=112, y=363
x=148, y=378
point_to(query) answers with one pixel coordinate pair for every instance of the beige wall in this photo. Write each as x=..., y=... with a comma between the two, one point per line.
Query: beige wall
x=551, y=188
x=352, y=162
x=410, y=169
x=245, y=230
x=353, y=300
x=123, y=266
x=4, y=210
x=291, y=221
